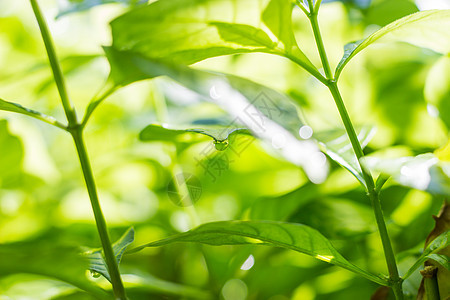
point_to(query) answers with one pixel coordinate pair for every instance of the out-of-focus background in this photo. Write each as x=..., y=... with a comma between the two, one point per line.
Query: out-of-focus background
x=399, y=88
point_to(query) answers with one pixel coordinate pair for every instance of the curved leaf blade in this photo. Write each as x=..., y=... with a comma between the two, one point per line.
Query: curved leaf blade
x=336, y=144
x=190, y=31
x=17, y=108
x=439, y=243
x=442, y=259
x=219, y=134
x=96, y=261
x=424, y=29
x=297, y=237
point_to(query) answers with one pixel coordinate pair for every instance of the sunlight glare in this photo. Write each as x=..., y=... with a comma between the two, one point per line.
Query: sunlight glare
x=248, y=263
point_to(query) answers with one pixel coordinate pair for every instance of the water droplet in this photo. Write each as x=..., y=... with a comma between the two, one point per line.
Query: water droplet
x=95, y=274
x=305, y=132
x=221, y=145
x=432, y=110
x=213, y=93
x=248, y=264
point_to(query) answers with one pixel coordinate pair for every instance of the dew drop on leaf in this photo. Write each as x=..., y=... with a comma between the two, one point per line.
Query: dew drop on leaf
x=221, y=145
x=95, y=274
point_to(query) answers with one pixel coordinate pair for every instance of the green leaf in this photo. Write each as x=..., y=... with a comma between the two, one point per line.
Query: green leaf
x=381, y=180
x=190, y=31
x=439, y=243
x=292, y=236
x=424, y=29
x=97, y=263
x=73, y=6
x=337, y=218
x=219, y=134
x=244, y=35
x=275, y=16
x=269, y=208
x=268, y=114
x=336, y=144
x=62, y=263
x=17, y=108
x=442, y=259
x=423, y=172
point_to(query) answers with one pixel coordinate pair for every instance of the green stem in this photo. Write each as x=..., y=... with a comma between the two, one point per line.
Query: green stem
x=317, y=5
x=56, y=68
x=430, y=283
x=302, y=7
x=394, y=278
x=76, y=130
x=319, y=41
x=110, y=259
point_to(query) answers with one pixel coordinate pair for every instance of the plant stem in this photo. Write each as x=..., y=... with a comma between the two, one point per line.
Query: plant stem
x=56, y=68
x=76, y=130
x=319, y=41
x=394, y=278
x=111, y=262
x=430, y=283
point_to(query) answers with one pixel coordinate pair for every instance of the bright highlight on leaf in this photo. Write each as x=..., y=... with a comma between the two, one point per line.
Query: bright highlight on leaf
x=424, y=172
x=267, y=113
x=324, y=258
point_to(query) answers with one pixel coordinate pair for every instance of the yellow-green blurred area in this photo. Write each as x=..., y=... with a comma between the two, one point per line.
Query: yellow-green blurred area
x=402, y=90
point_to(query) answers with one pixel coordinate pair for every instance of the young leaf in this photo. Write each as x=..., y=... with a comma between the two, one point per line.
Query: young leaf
x=190, y=31
x=292, y=236
x=219, y=134
x=424, y=29
x=423, y=172
x=439, y=243
x=17, y=108
x=336, y=145
x=442, y=259
x=97, y=263
x=268, y=114
x=277, y=16
x=381, y=180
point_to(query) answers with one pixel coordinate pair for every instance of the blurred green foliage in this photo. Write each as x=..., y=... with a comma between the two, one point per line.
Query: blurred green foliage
x=45, y=214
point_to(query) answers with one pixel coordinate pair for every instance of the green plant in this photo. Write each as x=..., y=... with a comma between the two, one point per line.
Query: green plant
x=161, y=39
